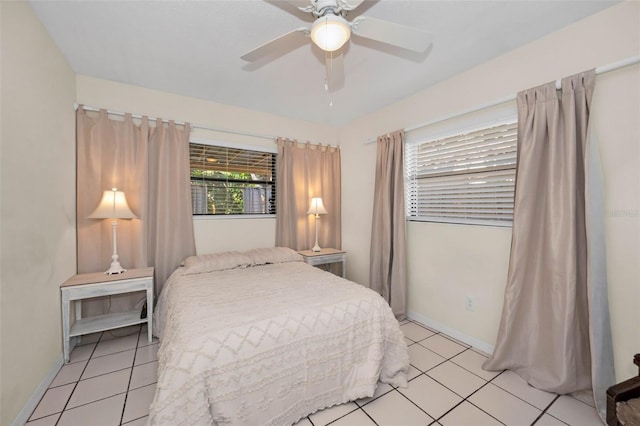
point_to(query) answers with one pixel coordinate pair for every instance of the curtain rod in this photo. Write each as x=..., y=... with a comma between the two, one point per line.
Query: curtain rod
x=180, y=123
x=599, y=70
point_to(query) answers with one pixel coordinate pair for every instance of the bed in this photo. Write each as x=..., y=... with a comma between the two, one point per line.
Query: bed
x=260, y=337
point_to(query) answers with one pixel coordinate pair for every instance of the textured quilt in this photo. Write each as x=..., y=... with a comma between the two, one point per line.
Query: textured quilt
x=269, y=344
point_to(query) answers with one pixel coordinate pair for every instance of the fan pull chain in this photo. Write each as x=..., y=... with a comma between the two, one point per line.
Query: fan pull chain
x=329, y=72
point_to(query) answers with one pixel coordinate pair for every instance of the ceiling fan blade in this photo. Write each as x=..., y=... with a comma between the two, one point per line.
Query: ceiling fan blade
x=299, y=8
x=350, y=4
x=290, y=39
x=391, y=33
x=299, y=4
x=335, y=71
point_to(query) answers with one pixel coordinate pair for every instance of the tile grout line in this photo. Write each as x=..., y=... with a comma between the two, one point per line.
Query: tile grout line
x=466, y=369
x=379, y=396
x=75, y=385
x=451, y=390
x=542, y=411
x=102, y=374
x=345, y=415
x=545, y=411
x=91, y=356
x=488, y=414
x=445, y=360
x=521, y=399
x=444, y=336
x=419, y=407
x=516, y=396
x=109, y=354
x=96, y=400
x=133, y=363
x=435, y=420
x=117, y=352
x=143, y=386
x=349, y=413
x=471, y=402
x=86, y=361
x=367, y=414
x=486, y=382
x=77, y=382
x=133, y=420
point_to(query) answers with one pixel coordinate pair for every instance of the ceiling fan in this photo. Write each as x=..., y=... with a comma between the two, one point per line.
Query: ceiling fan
x=331, y=30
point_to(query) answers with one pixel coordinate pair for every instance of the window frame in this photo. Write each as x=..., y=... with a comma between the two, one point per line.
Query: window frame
x=240, y=146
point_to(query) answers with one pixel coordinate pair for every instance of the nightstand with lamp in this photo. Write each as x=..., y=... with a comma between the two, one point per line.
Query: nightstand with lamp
x=116, y=280
x=322, y=256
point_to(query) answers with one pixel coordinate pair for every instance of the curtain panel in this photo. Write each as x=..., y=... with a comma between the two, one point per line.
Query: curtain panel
x=170, y=237
x=388, y=255
x=150, y=165
x=306, y=171
x=554, y=331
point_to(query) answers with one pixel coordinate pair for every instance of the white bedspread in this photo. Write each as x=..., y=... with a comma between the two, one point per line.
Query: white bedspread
x=269, y=345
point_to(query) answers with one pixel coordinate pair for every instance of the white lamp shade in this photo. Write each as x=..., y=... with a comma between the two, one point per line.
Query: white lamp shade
x=113, y=206
x=317, y=207
x=330, y=32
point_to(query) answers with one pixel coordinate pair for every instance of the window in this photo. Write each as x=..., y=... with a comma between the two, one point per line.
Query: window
x=463, y=178
x=232, y=181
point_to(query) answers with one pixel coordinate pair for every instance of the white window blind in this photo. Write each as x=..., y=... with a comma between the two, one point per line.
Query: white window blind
x=463, y=178
x=232, y=181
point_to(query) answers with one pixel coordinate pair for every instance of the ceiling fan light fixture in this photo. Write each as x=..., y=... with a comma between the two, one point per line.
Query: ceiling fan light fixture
x=330, y=32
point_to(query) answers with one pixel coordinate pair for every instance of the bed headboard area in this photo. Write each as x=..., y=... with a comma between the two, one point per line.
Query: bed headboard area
x=236, y=259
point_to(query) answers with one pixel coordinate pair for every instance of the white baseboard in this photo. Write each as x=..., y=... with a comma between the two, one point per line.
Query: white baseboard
x=37, y=395
x=478, y=344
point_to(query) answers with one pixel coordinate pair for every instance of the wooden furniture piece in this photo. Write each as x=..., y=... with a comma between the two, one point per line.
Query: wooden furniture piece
x=84, y=286
x=326, y=256
x=627, y=391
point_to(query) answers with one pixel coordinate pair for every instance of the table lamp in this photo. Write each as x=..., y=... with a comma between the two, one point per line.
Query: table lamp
x=113, y=206
x=316, y=209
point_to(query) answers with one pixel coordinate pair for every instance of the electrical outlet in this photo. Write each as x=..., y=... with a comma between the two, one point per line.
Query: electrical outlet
x=470, y=303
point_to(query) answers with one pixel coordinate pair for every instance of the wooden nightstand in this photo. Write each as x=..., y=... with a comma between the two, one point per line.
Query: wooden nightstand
x=84, y=286
x=326, y=256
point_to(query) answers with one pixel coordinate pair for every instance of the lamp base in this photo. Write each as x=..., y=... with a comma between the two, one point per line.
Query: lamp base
x=115, y=268
x=316, y=248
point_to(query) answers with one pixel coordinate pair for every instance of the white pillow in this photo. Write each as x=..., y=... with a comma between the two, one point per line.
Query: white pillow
x=262, y=256
x=216, y=262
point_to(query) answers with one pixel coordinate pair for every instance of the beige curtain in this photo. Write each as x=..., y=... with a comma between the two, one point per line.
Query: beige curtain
x=170, y=220
x=388, y=259
x=151, y=166
x=304, y=171
x=554, y=330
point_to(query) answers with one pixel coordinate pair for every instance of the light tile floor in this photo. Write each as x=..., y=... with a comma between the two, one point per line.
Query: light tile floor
x=111, y=381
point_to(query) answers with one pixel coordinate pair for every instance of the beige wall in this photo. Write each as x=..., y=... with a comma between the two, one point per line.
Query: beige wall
x=211, y=234
x=616, y=112
x=218, y=234
x=447, y=262
x=38, y=203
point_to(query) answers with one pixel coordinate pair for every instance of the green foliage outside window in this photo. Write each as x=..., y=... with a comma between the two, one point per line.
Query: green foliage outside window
x=224, y=192
x=231, y=181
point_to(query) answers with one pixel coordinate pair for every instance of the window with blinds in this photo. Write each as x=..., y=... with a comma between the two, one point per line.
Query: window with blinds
x=232, y=181
x=463, y=178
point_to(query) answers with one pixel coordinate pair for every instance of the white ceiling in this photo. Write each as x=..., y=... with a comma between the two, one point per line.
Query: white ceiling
x=193, y=48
